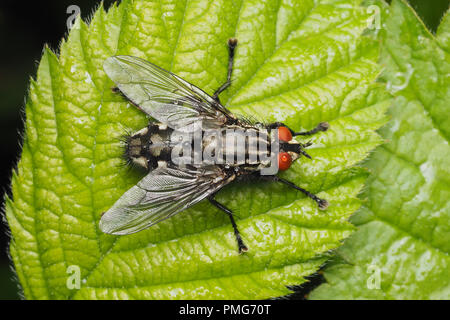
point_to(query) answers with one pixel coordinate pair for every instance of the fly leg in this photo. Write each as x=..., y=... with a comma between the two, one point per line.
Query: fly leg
x=323, y=126
x=322, y=203
x=241, y=245
x=232, y=43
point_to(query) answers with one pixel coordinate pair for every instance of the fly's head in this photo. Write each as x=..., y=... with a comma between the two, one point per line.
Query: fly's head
x=290, y=150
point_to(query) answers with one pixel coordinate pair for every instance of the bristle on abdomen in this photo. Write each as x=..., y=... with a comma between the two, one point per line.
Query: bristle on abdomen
x=147, y=146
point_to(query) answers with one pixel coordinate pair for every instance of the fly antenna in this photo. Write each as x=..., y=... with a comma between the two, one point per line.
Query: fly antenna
x=303, y=152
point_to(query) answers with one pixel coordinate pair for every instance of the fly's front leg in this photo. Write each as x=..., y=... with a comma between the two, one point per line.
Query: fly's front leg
x=242, y=247
x=323, y=126
x=322, y=203
x=232, y=43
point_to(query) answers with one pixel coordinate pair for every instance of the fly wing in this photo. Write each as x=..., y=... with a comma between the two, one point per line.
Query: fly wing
x=161, y=194
x=163, y=95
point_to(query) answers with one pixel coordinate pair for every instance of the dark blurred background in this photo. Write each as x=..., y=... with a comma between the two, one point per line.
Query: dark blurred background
x=24, y=29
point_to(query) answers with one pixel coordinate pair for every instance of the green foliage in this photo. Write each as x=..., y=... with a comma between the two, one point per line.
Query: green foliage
x=300, y=62
x=404, y=227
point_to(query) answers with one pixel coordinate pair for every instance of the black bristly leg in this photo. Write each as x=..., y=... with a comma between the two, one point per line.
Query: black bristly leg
x=322, y=203
x=323, y=126
x=232, y=43
x=240, y=242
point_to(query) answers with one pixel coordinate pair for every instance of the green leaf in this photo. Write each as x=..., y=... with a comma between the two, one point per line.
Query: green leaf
x=300, y=62
x=401, y=250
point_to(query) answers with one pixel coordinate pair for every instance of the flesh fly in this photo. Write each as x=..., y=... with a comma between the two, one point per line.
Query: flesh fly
x=190, y=124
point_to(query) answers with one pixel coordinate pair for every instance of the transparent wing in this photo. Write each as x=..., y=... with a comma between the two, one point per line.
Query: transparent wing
x=161, y=194
x=163, y=95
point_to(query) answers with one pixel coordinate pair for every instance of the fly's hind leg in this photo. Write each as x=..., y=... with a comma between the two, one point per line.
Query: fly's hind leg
x=242, y=247
x=232, y=43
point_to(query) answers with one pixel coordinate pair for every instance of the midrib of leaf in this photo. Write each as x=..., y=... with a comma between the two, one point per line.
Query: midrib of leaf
x=106, y=244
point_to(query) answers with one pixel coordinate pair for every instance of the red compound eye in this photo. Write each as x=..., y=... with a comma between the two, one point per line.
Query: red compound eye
x=284, y=134
x=284, y=161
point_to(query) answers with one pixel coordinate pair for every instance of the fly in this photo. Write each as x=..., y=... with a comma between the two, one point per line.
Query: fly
x=174, y=183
